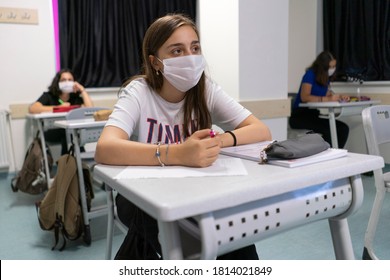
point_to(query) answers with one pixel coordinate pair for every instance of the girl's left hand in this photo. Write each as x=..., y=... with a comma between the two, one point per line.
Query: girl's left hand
x=77, y=87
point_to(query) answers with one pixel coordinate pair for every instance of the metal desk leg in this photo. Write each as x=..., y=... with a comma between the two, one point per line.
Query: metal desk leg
x=84, y=208
x=170, y=240
x=110, y=221
x=333, y=130
x=341, y=237
x=339, y=228
x=368, y=252
x=43, y=143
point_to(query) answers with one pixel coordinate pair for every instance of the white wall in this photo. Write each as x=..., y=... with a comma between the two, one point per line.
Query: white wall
x=302, y=41
x=263, y=53
x=243, y=56
x=220, y=41
x=246, y=46
x=27, y=54
x=27, y=63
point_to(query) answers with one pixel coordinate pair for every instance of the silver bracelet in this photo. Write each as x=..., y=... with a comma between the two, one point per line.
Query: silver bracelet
x=158, y=154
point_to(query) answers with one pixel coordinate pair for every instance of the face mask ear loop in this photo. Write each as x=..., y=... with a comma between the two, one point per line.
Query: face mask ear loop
x=158, y=70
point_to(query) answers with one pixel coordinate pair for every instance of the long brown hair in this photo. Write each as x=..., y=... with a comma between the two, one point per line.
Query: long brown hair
x=195, y=99
x=320, y=67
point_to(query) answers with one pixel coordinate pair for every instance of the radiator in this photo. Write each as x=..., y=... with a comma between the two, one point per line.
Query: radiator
x=4, y=149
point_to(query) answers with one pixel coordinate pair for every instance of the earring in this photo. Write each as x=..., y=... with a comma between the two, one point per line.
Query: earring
x=157, y=73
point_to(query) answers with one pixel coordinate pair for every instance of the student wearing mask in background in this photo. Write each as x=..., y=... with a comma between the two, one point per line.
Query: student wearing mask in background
x=163, y=117
x=315, y=88
x=63, y=91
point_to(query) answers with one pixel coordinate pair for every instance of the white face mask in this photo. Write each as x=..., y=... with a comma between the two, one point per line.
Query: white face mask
x=331, y=71
x=184, y=72
x=66, y=86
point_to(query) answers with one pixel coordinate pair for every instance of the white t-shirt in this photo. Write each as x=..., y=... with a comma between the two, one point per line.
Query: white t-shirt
x=146, y=117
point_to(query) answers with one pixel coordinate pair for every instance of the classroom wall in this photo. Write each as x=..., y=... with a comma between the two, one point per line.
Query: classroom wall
x=257, y=50
x=302, y=39
x=246, y=46
x=29, y=65
x=27, y=54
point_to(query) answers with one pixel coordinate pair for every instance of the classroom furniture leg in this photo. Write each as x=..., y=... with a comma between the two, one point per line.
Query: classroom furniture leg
x=333, y=130
x=110, y=221
x=170, y=240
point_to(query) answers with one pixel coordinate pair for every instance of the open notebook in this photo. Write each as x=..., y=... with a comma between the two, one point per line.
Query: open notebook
x=252, y=152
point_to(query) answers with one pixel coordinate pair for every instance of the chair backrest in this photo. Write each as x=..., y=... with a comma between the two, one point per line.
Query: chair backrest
x=376, y=123
x=81, y=113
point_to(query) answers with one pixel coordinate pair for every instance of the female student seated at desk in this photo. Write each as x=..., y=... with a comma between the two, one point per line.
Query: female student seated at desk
x=64, y=91
x=315, y=88
x=163, y=117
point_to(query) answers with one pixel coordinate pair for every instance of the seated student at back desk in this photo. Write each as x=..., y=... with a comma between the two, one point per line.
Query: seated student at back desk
x=315, y=88
x=163, y=117
x=64, y=91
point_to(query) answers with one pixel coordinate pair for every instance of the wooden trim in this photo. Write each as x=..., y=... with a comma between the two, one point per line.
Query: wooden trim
x=269, y=109
x=19, y=111
x=263, y=109
x=105, y=103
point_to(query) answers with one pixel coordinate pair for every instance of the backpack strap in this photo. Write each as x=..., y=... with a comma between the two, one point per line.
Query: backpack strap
x=67, y=169
x=59, y=228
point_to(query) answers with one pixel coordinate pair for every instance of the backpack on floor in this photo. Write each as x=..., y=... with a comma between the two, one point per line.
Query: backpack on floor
x=60, y=209
x=32, y=177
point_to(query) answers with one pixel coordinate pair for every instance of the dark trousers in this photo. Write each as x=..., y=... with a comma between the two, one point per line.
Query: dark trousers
x=57, y=136
x=304, y=118
x=127, y=211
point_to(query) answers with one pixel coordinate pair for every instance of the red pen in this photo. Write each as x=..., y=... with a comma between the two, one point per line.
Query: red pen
x=212, y=133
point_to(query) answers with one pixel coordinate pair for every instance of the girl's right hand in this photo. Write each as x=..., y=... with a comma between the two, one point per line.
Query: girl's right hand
x=341, y=98
x=199, y=150
x=345, y=98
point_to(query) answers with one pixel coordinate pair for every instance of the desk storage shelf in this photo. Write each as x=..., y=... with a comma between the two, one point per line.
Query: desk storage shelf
x=240, y=226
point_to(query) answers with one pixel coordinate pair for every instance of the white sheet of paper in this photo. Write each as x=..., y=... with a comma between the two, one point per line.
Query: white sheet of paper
x=221, y=167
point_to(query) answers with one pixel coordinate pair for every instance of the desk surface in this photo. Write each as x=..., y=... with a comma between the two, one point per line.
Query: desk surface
x=80, y=123
x=169, y=199
x=48, y=115
x=339, y=104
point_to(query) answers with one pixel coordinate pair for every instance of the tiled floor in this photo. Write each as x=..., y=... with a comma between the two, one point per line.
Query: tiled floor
x=21, y=238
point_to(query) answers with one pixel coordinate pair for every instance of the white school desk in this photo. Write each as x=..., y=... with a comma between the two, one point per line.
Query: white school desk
x=234, y=211
x=45, y=121
x=84, y=131
x=334, y=110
